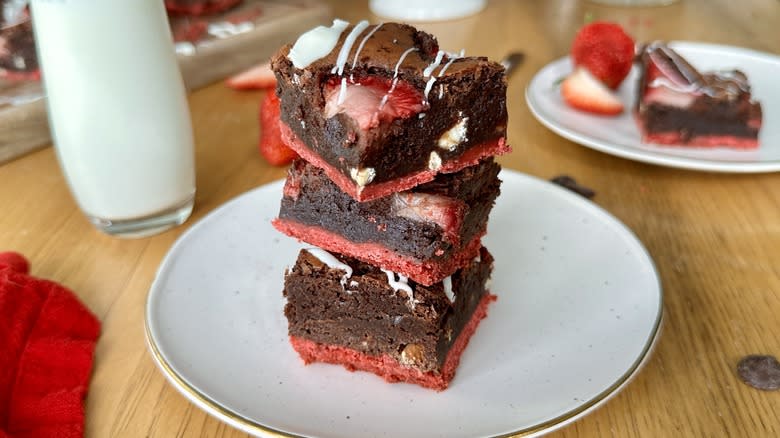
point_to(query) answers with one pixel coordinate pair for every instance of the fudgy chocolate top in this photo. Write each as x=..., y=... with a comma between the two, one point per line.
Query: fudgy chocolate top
x=390, y=45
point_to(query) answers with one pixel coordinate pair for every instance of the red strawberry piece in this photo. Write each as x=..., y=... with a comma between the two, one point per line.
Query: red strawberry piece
x=257, y=77
x=583, y=91
x=605, y=50
x=372, y=100
x=446, y=212
x=271, y=146
x=14, y=261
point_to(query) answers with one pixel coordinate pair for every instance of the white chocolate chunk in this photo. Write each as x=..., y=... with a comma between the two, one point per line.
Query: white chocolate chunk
x=454, y=136
x=362, y=176
x=434, y=161
x=447, y=282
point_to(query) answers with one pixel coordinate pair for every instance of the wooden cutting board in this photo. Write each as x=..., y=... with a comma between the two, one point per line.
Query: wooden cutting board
x=226, y=45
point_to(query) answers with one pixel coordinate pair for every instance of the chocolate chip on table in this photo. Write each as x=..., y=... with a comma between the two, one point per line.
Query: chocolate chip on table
x=570, y=183
x=760, y=372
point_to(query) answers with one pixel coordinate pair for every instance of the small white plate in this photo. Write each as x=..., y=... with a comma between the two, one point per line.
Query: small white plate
x=620, y=136
x=578, y=310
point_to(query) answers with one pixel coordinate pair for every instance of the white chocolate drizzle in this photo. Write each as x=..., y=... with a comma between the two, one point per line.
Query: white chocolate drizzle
x=342, y=92
x=341, y=59
x=432, y=66
x=316, y=43
x=428, y=86
x=395, y=76
x=453, y=57
x=332, y=262
x=360, y=46
x=400, y=284
x=447, y=282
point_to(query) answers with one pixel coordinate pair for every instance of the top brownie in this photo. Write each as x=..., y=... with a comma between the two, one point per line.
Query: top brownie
x=381, y=109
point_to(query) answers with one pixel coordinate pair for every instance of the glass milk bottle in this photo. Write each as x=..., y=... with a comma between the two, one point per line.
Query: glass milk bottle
x=118, y=111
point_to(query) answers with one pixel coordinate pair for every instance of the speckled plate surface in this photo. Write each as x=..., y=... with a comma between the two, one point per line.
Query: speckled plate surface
x=620, y=136
x=578, y=312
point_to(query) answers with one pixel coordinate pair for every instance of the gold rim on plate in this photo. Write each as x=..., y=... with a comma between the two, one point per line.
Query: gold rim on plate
x=223, y=413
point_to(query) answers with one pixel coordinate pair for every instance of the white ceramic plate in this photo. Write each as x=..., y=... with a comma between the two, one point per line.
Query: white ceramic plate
x=620, y=135
x=579, y=307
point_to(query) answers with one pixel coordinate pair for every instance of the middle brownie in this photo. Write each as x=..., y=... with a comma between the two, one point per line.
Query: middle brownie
x=425, y=234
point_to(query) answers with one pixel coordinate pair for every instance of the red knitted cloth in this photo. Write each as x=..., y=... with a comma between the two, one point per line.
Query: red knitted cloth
x=47, y=338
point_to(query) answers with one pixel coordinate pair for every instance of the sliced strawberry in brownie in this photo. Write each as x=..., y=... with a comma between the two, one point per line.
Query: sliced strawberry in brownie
x=371, y=101
x=425, y=234
x=381, y=109
x=678, y=105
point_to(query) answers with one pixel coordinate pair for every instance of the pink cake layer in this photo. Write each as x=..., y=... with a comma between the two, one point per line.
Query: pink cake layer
x=374, y=191
x=387, y=367
x=426, y=272
x=674, y=138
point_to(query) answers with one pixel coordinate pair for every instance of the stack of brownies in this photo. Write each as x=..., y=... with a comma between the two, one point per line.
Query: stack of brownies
x=394, y=187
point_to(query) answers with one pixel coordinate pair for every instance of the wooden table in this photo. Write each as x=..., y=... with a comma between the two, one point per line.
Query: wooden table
x=715, y=237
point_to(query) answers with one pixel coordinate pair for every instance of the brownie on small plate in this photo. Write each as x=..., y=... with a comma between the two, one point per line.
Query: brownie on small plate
x=426, y=233
x=678, y=105
x=381, y=109
x=343, y=311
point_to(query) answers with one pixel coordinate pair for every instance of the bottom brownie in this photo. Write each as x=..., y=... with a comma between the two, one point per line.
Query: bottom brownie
x=343, y=311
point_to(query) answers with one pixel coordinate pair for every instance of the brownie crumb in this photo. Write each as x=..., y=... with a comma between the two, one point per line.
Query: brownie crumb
x=760, y=371
x=570, y=183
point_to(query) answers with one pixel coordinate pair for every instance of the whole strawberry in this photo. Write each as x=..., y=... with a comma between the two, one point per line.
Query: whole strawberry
x=605, y=50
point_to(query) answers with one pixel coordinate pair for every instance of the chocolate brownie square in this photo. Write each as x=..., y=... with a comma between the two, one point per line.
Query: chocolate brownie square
x=678, y=105
x=381, y=109
x=426, y=233
x=343, y=311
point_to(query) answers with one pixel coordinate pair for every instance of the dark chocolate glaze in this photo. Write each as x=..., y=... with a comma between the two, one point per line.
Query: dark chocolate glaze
x=472, y=87
x=371, y=317
x=312, y=199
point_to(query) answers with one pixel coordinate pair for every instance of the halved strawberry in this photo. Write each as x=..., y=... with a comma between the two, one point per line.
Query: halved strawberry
x=257, y=77
x=271, y=146
x=606, y=50
x=371, y=100
x=583, y=91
